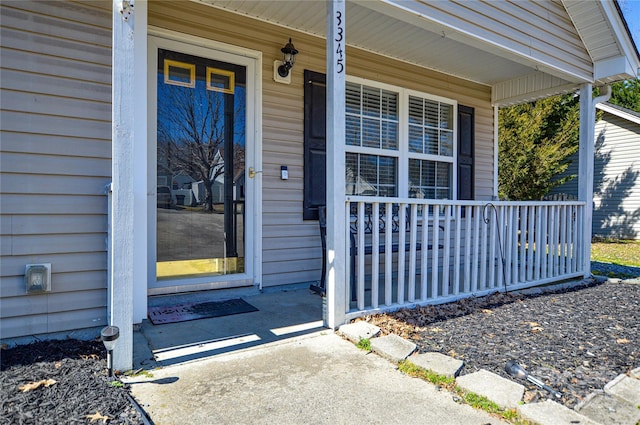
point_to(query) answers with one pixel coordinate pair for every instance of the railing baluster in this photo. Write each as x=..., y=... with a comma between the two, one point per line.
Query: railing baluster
x=544, y=246
x=522, y=263
x=375, y=254
x=475, y=219
x=563, y=241
x=388, y=259
x=552, y=240
x=508, y=237
x=456, y=253
x=424, y=254
x=554, y=257
x=413, y=210
x=435, y=241
x=574, y=237
x=501, y=228
x=361, y=257
x=467, y=250
x=446, y=250
x=402, y=215
x=538, y=238
x=530, y=242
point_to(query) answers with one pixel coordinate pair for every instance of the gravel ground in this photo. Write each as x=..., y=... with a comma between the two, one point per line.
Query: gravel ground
x=73, y=386
x=576, y=341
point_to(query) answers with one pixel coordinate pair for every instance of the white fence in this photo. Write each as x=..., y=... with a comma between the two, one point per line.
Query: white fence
x=405, y=252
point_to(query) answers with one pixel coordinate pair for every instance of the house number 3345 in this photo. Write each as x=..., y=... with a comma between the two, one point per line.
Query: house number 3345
x=338, y=43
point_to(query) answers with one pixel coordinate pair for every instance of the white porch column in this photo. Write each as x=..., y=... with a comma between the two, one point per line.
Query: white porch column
x=124, y=214
x=585, y=170
x=586, y=160
x=141, y=176
x=336, y=217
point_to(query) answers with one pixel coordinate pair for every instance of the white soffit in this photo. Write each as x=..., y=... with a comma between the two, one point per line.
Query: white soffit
x=602, y=31
x=371, y=30
x=528, y=88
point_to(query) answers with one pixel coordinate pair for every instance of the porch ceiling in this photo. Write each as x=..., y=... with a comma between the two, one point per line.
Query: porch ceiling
x=405, y=37
x=402, y=30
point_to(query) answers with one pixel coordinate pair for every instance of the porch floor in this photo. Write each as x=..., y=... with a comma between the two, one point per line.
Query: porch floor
x=282, y=315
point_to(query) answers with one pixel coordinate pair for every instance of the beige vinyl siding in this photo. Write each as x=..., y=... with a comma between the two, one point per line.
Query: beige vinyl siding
x=616, y=210
x=291, y=246
x=54, y=162
x=540, y=30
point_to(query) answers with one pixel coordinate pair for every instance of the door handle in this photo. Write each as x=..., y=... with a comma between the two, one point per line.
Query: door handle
x=253, y=172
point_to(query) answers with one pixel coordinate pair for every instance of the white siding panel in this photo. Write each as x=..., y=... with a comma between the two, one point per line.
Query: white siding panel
x=45, y=45
x=54, y=162
x=53, y=86
x=55, y=165
x=54, y=204
x=54, y=125
x=12, y=327
x=36, y=103
x=64, y=282
x=57, y=244
x=13, y=266
x=51, y=184
x=60, y=27
x=50, y=65
x=47, y=144
x=95, y=13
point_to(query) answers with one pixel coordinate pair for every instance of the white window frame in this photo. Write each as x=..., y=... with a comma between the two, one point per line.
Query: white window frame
x=402, y=153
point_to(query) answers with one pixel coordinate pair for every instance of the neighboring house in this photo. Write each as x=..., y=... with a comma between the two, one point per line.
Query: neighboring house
x=401, y=96
x=616, y=197
x=616, y=176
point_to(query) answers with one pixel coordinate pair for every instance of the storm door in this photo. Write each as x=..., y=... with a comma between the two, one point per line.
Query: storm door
x=201, y=121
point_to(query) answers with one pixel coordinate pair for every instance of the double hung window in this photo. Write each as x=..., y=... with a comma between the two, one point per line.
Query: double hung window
x=399, y=142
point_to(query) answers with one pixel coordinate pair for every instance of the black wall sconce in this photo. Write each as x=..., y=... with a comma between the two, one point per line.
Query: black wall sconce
x=289, y=53
x=282, y=67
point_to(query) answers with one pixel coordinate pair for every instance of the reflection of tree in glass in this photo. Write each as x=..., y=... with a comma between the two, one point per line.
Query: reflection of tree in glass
x=191, y=133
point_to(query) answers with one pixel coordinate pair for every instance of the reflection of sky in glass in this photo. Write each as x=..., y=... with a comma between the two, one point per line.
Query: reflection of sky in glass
x=208, y=111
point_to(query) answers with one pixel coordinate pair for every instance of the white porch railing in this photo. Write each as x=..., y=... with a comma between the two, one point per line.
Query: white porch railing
x=401, y=256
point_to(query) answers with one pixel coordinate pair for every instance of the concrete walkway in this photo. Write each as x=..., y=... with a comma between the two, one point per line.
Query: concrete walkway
x=278, y=365
x=317, y=379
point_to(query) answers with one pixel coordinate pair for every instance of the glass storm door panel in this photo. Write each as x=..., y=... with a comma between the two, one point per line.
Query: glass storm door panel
x=201, y=120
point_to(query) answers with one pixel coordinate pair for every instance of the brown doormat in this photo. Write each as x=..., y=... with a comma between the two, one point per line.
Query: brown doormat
x=193, y=311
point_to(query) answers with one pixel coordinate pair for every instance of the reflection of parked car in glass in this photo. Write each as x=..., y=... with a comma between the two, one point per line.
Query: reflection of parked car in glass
x=164, y=197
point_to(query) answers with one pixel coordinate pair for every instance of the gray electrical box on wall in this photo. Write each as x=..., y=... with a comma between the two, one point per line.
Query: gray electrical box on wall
x=37, y=278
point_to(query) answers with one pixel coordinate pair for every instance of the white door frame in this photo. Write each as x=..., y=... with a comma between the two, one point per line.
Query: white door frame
x=252, y=60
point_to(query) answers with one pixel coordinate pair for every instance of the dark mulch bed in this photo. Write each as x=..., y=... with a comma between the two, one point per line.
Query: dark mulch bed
x=81, y=391
x=575, y=340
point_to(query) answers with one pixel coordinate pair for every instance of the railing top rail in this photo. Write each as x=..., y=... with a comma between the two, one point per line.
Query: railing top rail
x=409, y=201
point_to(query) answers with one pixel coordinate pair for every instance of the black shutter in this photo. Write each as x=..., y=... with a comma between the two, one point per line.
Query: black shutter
x=315, y=144
x=465, y=152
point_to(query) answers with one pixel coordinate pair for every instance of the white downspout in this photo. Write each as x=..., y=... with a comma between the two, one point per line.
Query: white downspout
x=585, y=165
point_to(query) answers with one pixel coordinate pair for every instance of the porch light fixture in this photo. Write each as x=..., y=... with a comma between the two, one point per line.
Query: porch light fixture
x=288, y=59
x=109, y=336
x=517, y=371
